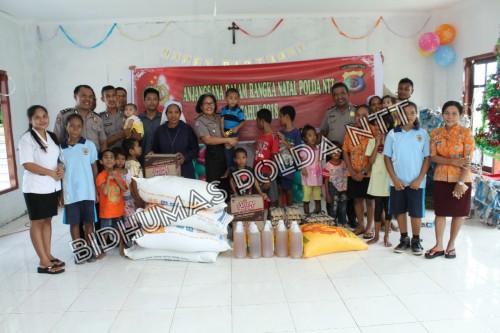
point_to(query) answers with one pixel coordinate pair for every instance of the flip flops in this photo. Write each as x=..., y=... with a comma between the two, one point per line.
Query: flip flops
x=452, y=254
x=368, y=235
x=49, y=270
x=58, y=263
x=431, y=254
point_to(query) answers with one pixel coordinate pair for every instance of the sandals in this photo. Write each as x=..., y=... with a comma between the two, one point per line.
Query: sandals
x=58, y=263
x=50, y=270
x=431, y=254
x=452, y=254
x=368, y=235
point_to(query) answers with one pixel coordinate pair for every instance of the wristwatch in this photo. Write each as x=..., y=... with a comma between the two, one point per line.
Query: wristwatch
x=461, y=183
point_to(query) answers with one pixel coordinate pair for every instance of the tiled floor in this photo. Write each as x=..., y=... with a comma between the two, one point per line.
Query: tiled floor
x=368, y=291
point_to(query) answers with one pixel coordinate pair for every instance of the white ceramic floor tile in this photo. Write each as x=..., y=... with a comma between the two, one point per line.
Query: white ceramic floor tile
x=457, y=326
x=257, y=293
x=161, y=277
x=301, y=269
x=492, y=322
x=379, y=311
x=255, y=273
x=461, y=279
x=334, y=330
x=262, y=318
x=483, y=303
x=351, y=255
x=347, y=268
x=410, y=283
x=145, y=298
x=208, y=275
x=150, y=321
x=70, y=280
x=207, y=320
x=26, y=281
x=360, y=287
x=395, y=328
x=310, y=290
x=84, y=322
x=9, y=300
x=119, y=263
x=435, y=306
x=321, y=315
x=398, y=263
x=49, y=301
x=165, y=264
x=100, y=299
x=256, y=262
x=204, y=295
x=29, y=322
x=114, y=279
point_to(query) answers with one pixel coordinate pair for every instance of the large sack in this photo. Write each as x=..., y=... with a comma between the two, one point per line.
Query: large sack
x=171, y=190
x=140, y=253
x=213, y=220
x=322, y=239
x=183, y=239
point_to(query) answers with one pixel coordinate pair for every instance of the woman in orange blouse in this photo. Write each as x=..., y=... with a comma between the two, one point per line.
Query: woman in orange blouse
x=452, y=147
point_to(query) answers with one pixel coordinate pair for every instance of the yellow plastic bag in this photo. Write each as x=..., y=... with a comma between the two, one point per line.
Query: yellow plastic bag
x=322, y=239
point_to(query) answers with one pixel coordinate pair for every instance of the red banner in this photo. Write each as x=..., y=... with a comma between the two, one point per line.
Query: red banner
x=305, y=85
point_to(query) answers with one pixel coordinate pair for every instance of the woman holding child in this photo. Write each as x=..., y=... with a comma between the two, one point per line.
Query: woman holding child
x=177, y=137
x=208, y=129
x=452, y=147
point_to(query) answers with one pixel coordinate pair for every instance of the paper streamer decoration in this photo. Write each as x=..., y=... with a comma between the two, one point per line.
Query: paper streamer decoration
x=407, y=36
x=88, y=47
x=158, y=34
x=260, y=36
x=358, y=37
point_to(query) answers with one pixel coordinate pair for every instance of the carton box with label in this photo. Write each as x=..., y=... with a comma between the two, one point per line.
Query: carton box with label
x=161, y=165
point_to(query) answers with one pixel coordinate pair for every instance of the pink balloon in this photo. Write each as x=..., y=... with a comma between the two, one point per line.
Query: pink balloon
x=429, y=42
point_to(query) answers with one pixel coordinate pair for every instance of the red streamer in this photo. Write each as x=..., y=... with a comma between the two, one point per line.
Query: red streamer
x=260, y=36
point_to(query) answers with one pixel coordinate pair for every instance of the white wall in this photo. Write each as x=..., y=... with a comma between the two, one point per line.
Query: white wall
x=18, y=58
x=47, y=70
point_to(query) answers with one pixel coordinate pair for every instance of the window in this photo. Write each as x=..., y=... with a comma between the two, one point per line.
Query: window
x=8, y=173
x=477, y=71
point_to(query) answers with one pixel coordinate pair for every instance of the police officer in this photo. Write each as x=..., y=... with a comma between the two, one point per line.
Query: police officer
x=121, y=98
x=93, y=127
x=112, y=118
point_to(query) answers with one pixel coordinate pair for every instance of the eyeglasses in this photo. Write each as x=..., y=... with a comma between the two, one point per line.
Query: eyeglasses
x=208, y=104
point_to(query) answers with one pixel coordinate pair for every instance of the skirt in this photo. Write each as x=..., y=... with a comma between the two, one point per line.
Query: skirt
x=215, y=162
x=41, y=206
x=446, y=204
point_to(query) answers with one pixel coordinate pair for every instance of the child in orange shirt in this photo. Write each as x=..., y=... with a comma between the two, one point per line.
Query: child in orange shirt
x=110, y=186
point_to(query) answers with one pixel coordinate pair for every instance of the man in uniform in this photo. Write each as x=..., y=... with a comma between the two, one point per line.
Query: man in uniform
x=333, y=127
x=121, y=95
x=113, y=119
x=93, y=128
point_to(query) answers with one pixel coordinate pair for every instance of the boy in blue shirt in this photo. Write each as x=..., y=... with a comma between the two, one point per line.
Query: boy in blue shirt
x=407, y=159
x=232, y=120
x=79, y=157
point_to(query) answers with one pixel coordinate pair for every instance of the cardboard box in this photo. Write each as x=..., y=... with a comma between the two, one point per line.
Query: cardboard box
x=161, y=165
x=247, y=208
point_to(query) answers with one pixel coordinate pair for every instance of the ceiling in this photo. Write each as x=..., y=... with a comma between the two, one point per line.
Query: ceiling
x=136, y=10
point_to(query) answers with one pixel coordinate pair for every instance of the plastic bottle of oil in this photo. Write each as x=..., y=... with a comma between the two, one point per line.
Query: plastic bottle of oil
x=296, y=241
x=255, y=244
x=267, y=241
x=281, y=240
x=239, y=241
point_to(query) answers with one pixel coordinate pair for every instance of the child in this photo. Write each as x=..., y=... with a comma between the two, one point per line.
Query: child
x=132, y=122
x=405, y=89
x=379, y=183
x=240, y=160
x=311, y=174
x=359, y=175
x=266, y=147
x=289, y=137
x=110, y=186
x=79, y=156
x=335, y=175
x=232, y=120
x=388, y=101
x=132, y=151
x=407, y=159
x=127, y=197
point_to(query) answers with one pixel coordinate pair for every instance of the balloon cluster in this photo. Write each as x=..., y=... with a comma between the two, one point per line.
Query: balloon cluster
x=435, y=44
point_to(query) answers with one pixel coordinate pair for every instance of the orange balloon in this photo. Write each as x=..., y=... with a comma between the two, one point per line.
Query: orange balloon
x=446, y=33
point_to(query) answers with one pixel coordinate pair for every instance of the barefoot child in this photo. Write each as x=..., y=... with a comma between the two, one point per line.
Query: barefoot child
x=80, y=163
x=335, y=175
x=311, y=175
x=110, y=186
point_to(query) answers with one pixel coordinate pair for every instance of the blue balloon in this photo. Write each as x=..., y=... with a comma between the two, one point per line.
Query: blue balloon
x=444, y=56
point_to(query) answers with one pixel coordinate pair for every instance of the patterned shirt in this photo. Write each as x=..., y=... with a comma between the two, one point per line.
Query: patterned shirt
x=336, y=174
x=458, y=142
x=357, y=152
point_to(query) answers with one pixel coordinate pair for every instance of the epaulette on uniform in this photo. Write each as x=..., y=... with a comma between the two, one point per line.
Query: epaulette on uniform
x=96, y=114
x=65, y=111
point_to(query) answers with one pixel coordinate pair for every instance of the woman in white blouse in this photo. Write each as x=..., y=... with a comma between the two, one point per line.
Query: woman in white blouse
x=39, y=155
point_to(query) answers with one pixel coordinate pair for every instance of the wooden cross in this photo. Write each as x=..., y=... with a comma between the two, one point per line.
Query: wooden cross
x=234, y=27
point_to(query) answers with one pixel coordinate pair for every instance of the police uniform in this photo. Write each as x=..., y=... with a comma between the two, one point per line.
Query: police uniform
x=215, y=161
x=113, y=124
x=335, y=121
x=93, y=128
